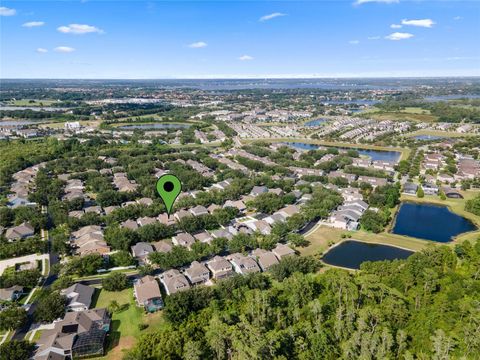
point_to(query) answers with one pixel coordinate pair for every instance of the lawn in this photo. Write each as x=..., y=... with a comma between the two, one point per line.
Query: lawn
x=408, y=114
x=124, y=330
x=31, y=102
x=446, y=134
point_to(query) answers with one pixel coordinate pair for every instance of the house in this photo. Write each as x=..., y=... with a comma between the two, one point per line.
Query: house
x=141, y=250
x=79, y=334
x=410, y=188
x=145, y=201
x=89, y=240
x=180, y=214
x=257, y=190
x=165, y=219
x=22, y=231
x=183, y=239
x=213, y=207
x=18, y=201
x=452, y=193
x=239, y=204
x=222, y=233
x=162, y=246
x=147, y=293
x=261, y=226
x=199, y=210
x=220, y=267
x=282, y=251
x=146, y=221
x=288, y=211
x=174, y=281
x=430, y=189
x=109, y=209
x=203, y=237
x=11, y=294
x=79, y=297
x=265, y=259
x=197, y=273
x=374, y=181
x=94, y=209
x=129, y=224
x=243, y=264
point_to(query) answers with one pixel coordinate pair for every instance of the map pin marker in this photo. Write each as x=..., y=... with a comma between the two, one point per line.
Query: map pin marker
x=169, y=187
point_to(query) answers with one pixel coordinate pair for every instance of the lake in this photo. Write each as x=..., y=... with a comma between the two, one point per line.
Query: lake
x=393, y=156
x=316, y=122
x=429, y=137
x=431, y=222
x=350, y=254
x=153, y=126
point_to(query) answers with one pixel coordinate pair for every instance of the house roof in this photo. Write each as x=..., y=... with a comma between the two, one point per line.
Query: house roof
x=79, y=293
x=147, y=288
x=141, y=249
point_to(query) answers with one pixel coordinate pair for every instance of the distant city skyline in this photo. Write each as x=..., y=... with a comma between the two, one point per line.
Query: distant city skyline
x=229, y=39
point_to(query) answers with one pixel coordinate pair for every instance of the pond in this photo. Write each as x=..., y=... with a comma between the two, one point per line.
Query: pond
x=393, y=156
x=316, y=122
x=429, y=137
x=153, y=126
x=431, y=222
x=350, y=254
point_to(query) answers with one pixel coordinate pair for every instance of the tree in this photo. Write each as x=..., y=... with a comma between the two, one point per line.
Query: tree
x=13, y=317
x=16, y=350
x=116, y=281
x=373, y=221
x=63, y=282
x=297, y=240
x=51, y=306
x=121, y=258
x=420, y=192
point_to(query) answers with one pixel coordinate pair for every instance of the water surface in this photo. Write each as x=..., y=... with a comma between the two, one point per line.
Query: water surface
x=350, y=254
x=431, y=222
x=153, y=126
x=316, y=122
x=393, y=156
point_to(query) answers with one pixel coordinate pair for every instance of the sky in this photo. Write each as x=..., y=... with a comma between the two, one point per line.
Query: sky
x=233, y=39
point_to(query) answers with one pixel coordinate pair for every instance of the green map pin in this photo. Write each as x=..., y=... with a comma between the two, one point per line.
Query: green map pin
x=169, y=187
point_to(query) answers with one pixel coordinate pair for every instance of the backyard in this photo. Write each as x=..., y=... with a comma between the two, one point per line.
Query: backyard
x=125, y=330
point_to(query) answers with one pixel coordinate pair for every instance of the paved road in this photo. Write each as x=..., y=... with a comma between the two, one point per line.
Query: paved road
x=53, y=259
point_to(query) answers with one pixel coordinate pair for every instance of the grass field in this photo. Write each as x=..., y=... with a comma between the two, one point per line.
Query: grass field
x=31, y=102
x=124, y=330
x=407, y=114
x=438, y=133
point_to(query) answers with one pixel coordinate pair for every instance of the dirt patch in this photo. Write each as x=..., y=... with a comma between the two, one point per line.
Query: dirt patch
x=124, y=344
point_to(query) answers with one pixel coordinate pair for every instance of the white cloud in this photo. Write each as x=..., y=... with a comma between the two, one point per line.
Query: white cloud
x=373, y=37
x=4, y=11
x=360, y=2
x=354, y=42
x=198, y=45
x=271, y=16
x=427, y=23
x=398, y=36
x=79, y=29
x=456, y=18
x=31, y=24
x=245, y=58
x=395, y=26
x=41, y=50
x=64, y=49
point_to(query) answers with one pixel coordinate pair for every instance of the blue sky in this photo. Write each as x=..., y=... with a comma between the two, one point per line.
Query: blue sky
x=179, y=39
